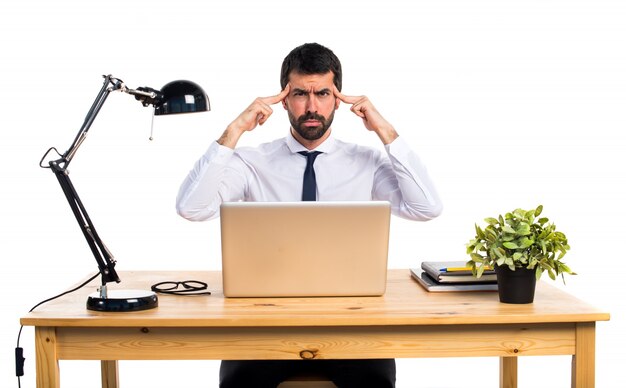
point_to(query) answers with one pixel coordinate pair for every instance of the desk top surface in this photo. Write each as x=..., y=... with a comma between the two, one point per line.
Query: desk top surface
x=404, y=303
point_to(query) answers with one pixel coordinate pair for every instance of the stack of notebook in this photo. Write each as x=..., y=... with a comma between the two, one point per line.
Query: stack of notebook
x=441, y=276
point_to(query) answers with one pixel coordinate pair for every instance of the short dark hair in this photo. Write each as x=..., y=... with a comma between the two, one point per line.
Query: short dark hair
x=311, y=58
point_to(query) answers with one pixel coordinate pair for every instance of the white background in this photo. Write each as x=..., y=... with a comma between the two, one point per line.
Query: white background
x=509, y=103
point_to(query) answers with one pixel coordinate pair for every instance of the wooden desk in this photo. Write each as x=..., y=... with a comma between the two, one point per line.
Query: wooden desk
x=405, y=322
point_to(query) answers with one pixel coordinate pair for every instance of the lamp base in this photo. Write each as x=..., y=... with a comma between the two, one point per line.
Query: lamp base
x=123, y=300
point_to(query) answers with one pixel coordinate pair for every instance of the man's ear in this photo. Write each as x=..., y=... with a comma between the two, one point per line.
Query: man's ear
x=284, y=102
x=337, y=102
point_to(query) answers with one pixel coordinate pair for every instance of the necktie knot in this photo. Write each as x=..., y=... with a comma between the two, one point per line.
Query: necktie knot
x=310, y=156
x=309, y=184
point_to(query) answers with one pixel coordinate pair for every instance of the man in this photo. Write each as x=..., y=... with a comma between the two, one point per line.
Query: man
x=311, y=92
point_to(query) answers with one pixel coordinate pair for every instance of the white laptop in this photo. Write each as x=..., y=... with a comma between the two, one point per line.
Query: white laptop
x=304, y=249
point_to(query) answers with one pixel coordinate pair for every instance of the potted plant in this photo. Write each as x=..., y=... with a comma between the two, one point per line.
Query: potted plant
x=520, y=247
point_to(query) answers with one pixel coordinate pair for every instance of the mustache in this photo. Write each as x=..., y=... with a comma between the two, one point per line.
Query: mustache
x=311, y=116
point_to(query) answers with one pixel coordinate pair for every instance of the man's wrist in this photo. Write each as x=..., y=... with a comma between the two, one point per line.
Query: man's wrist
x=387, y=135
x=230, y=137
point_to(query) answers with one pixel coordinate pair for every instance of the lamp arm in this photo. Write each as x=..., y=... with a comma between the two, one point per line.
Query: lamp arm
x=110, y=84
x=104, y=258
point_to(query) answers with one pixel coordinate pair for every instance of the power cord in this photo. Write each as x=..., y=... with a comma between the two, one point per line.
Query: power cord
x=19, y=352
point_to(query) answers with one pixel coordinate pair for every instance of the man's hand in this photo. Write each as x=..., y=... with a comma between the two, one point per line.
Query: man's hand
x=373, y=121
x=256, y=114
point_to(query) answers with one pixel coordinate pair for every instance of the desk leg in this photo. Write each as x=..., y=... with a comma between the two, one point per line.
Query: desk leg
x=584, y=361
x=110, y=374
x=46, y=354
x=508, y=372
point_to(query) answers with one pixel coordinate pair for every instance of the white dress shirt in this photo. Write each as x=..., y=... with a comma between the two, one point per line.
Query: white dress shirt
x=344, y=172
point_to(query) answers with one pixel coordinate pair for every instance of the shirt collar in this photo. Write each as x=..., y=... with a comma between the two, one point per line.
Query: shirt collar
x=326, y=147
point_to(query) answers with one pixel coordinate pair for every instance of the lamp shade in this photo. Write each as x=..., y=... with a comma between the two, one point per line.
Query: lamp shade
x=182, y=97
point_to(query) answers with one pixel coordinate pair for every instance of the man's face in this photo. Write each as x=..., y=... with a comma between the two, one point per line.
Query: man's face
x=311, y=104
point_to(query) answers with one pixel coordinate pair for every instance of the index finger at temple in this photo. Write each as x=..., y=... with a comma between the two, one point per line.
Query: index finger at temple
x=277, y=98
x=343, y=97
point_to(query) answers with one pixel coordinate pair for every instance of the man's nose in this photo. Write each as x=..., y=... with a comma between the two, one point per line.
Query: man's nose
x=312, y=103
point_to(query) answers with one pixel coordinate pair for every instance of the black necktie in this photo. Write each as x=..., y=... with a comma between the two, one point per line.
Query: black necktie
x=309, y=186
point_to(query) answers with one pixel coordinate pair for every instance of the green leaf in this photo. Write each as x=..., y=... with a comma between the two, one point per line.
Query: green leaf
x=543, y=265
x=560, y=236
x=508, y=229
x=538, y=272
x=529, y=216
x=510, y=245
x=479, y=232
x=500, y=252
x=525, y=242
x=523, y=229
x=491, y=221
x=564, y=268
x=538, y=210
x=476, y=257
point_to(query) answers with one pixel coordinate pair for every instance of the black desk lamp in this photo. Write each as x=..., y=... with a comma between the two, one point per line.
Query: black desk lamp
x=175, y=97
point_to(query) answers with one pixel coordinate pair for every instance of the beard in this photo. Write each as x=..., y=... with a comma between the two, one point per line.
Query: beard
x=310, y=132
